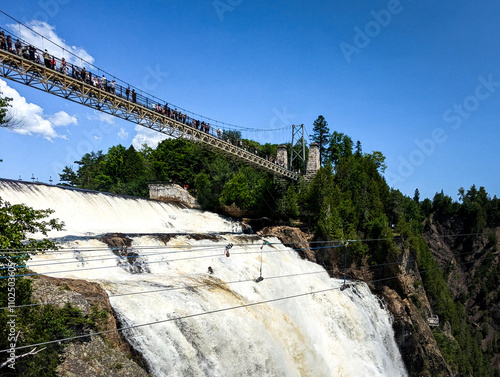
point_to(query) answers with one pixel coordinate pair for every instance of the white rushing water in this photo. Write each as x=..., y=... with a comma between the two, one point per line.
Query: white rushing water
x=295, y=322
x=87, y=213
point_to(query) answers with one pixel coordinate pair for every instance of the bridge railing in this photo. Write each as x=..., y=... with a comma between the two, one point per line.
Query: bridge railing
x=28, y=62
x=112, y=84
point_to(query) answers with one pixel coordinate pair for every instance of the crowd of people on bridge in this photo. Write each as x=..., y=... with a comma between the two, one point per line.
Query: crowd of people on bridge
x=32, y=53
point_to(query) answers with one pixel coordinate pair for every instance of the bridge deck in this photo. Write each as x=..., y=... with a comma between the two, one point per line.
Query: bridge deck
x=36, y=75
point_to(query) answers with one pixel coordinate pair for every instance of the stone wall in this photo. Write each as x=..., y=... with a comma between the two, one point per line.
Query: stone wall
x=282, y=155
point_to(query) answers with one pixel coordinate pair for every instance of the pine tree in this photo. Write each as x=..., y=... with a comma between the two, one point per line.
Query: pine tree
x=416, y=197
x=359, y=150
x=321, y=136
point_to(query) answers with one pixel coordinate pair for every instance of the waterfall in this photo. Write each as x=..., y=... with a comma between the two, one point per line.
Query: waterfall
x=188, y=321
x=87, y=213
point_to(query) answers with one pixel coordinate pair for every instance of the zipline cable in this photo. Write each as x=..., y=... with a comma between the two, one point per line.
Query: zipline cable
x=123, y=258
x=174, y=319
x=130, y=264
x=340, y=241
x=272, y=277
x=198, y=314
x=187, y=287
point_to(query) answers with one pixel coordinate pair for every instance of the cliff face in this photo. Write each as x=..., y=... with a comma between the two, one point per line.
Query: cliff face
x=405, y=298
x=472, y=269
x=407, y=301
x=110, y=355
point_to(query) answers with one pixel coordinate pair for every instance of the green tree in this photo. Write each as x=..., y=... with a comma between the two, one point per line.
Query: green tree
x=5, y=120
x=16, y=223
x=178, y=160
x=269, y=150
x=249, y=190
x=68, y=177
x=359, y=151
x=210, y=182
x=416, y=196
x=443, y=204
x=231, y=136
x=340, y=147
x=321, y=136
x=288, y=206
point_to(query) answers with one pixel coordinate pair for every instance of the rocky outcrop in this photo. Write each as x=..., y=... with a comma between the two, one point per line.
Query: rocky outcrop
x=110, y=355
x=414, y=337
x=96, y=358
x=172, y=193
x=472, y=269
x=293, y=238
x=405, y=297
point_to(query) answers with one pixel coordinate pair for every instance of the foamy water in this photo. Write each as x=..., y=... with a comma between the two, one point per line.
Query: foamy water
x=87, y=213
x=223, y=323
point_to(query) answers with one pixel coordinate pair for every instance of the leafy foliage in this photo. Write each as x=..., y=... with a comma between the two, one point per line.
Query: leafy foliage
x=4, y=107
x=348, y=199
x=39, y=323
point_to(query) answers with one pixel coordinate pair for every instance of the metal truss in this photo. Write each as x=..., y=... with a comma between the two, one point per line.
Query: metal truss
x=35, y=75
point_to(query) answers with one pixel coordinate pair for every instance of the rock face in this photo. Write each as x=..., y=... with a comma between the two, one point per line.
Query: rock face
x=96, y=358
x=414, y=337
x=405, y=298
x=472, y=266
x=172, y=193
x=109, y=357
x=291, y=237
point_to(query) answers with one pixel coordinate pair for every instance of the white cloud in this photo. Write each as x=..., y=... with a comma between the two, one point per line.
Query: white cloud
x=62, y=119
x=122, y=134
x=48, y=31
x=102, y=117
x=146, y=136
x=29, y=118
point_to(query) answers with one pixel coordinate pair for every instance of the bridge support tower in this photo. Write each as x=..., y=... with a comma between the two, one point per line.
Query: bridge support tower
x=282, y=155
x=313, y=161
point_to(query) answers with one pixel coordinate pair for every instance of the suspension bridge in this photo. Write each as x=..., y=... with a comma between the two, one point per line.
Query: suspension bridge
x=27, y=64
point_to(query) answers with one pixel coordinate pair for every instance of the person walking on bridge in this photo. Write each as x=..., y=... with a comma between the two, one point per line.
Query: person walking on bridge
x=104, y=83
x=46, y=58
x=18, y=47
x=3, y=43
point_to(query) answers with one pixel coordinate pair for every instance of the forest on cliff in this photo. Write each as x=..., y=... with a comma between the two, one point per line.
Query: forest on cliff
x=449, y=247
x=348, y=199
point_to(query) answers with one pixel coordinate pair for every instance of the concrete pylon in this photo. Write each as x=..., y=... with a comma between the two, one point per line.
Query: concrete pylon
x=313, y=161
x=282, y=156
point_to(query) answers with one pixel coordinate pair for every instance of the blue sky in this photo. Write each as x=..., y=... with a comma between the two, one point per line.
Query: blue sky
x=417, y=80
